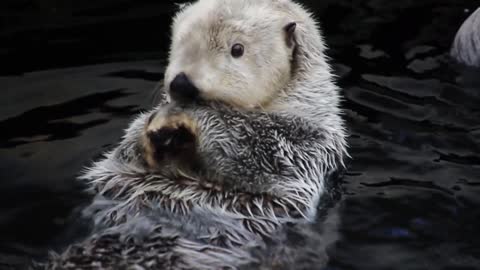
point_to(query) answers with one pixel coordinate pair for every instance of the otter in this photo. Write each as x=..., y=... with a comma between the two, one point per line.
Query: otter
x=466, y=46
x=242, y=145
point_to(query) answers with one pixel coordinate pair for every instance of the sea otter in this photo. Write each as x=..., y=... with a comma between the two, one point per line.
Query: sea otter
x=242, y=147
x=466, y=47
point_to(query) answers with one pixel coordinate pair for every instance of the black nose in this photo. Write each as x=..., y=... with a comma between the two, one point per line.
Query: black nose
x=182, y=89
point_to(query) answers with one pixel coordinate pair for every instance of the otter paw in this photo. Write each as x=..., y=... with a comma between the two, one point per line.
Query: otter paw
x=168, y=138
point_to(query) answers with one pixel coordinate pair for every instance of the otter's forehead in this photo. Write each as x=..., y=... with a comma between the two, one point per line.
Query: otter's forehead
x=216, y=18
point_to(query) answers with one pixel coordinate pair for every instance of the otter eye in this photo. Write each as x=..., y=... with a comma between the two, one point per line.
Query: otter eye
x=237, y=50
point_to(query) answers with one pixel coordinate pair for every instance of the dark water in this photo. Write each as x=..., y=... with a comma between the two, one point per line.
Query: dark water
x=74, y=73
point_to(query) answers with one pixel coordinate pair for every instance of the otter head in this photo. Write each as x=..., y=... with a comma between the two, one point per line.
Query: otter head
x=237, y=52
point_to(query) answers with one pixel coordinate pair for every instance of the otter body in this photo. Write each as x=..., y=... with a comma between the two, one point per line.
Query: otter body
x=243, y=145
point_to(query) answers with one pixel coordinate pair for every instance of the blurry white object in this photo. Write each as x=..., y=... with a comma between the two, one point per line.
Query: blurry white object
x=466, y=47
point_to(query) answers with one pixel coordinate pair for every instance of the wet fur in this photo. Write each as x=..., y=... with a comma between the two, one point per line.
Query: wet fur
x=256, y=170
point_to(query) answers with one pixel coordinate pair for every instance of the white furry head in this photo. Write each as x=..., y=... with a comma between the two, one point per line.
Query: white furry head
x=235, y=51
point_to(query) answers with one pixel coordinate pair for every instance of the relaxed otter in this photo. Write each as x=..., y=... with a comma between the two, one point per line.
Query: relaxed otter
x=245, y=146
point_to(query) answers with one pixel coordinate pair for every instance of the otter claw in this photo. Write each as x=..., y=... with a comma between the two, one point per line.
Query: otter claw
x=168, y=138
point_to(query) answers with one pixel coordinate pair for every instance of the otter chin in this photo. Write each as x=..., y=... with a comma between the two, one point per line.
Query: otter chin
x=244, y=143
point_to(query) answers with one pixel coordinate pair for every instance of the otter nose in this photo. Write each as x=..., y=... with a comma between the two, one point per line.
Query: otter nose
x=182, y=89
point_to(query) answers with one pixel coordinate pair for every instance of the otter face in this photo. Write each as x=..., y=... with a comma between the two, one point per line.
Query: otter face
x=235, y=51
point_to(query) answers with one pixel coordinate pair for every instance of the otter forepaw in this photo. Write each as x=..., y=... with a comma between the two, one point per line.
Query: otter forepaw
x=168, y=137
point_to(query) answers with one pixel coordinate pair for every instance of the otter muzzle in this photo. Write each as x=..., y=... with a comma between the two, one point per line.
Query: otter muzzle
x=183, y=90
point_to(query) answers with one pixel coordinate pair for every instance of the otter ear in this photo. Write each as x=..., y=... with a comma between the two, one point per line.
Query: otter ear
x=290, y=33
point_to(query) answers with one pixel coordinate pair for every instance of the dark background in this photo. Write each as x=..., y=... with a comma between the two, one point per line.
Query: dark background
x=74, y=73
x=41, y=34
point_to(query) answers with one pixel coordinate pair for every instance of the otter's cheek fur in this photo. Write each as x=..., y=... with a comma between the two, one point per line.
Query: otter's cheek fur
x=169, y=138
